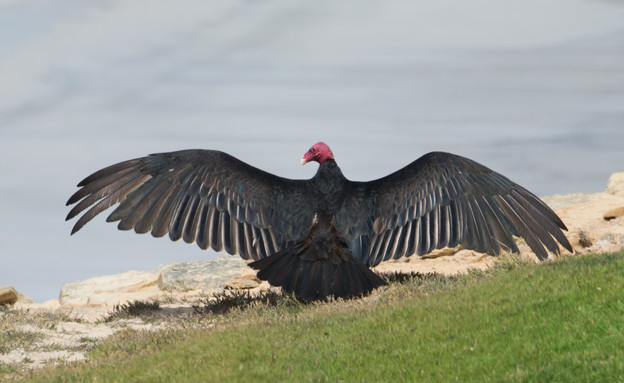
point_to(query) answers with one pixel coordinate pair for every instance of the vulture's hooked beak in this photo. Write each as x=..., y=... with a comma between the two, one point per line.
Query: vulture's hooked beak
x=307, y=158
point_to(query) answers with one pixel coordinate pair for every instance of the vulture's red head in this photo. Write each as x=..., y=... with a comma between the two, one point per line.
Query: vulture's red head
x=319, y=153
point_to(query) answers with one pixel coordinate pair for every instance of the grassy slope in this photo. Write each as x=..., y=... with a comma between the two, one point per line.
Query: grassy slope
x=552, y=322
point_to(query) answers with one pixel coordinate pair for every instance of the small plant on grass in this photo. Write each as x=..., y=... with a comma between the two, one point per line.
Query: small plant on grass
x=133, y=309
x=15, y=339
x=225, y=301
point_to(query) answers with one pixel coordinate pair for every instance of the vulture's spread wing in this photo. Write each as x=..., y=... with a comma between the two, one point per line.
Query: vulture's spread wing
x=202, y=196
x=444, y=200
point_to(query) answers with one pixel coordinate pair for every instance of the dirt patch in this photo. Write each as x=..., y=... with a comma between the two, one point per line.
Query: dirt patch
x=38, y=339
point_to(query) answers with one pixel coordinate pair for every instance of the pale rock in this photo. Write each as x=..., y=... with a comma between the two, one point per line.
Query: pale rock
x=206, y=275
x=179, y=280
x=588, y=231
x=613, y=213
x=243, y=282
x=39, y=359
x=13, y=356
x=23, y=298
x=615, y=184
x=8, y=295
x=110, y=289
x=443, y=252
x=448, y=262
x=558, y=201
x=51, y=305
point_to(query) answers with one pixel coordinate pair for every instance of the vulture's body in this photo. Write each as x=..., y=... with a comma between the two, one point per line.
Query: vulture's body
x=318, y=238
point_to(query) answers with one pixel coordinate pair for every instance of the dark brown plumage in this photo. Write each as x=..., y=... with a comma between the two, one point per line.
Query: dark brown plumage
x=318, y=238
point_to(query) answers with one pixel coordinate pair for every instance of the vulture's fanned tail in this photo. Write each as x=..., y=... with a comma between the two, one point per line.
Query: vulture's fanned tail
x=309, y=275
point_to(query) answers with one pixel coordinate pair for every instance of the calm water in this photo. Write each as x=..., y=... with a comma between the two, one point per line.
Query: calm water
x=532, y=92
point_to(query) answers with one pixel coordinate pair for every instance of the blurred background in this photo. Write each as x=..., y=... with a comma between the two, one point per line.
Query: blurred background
x=533, y=89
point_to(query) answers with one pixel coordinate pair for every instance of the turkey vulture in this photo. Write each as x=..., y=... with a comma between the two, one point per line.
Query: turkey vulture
x=317, y=238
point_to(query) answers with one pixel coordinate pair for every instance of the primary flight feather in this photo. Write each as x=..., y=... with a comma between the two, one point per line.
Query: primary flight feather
x=319, y=237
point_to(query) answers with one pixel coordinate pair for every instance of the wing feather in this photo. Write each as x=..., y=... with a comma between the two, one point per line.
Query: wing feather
x=203, y=227
x=423, y=247
x=501, y=232
x=482, y=227
x=180, y=212
x=240, y=240
x=226, y=232
x=149, y=220
x=160, y=226
x=189, y=233
x=412, y=241
x=202, y=196
x=112, y=196
x=391, y=244
x=445, y=200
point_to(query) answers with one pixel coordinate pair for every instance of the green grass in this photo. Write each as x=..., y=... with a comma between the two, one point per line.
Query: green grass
x=561, y=321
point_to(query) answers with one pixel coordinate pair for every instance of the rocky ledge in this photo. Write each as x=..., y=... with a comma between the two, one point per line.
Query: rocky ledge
x=595, y=222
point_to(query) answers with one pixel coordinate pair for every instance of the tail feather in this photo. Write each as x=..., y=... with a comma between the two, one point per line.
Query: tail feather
x=304, y=270
x=286, y=272
x=341, y=285
x=313, y=279
x=327, y=281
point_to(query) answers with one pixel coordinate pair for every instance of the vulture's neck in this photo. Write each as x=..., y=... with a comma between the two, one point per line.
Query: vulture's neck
x=329, y=177
x=329, y=167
